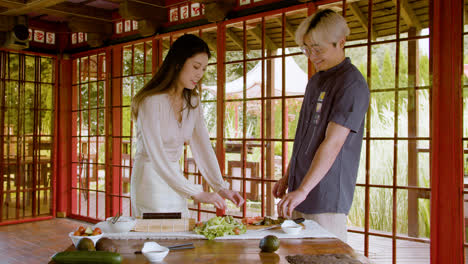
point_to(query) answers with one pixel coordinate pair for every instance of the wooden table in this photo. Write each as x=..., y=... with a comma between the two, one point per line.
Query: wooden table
x=232, y=251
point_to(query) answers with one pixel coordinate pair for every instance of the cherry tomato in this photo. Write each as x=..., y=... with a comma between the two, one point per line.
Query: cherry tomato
x=77, y=233
x=97, y=230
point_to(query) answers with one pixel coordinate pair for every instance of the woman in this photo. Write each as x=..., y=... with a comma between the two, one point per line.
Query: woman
x=168, y=113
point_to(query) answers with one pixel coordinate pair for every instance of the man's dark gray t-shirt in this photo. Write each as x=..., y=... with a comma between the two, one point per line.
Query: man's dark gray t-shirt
x=339, y=95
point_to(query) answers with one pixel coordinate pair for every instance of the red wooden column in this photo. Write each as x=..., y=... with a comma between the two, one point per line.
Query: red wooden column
x=447, y=120
x=64, y=168
x=221, y=32
x=113, y=205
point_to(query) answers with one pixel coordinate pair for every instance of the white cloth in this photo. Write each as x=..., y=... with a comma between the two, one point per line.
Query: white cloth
x=311, y=230
x=158, y=184
x=334, y=223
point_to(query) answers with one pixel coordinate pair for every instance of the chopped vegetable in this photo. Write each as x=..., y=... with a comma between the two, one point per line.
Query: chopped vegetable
x=220, y=226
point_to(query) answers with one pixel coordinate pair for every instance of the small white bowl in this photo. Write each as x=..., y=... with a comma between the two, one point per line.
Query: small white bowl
x=76, y=239
x=290, y=227
x=154, y=252
x=123, y=224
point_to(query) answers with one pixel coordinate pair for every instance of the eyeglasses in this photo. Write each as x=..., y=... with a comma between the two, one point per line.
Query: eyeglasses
x=316, y=50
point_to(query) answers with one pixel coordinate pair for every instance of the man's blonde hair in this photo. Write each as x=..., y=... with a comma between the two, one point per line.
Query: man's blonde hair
x=324, y=26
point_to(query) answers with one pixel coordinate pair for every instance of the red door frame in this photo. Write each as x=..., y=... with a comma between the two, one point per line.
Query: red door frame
x=447, y=218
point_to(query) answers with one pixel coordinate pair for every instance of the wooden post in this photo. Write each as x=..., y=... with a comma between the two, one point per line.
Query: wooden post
x=270, y=132
x=413, y=81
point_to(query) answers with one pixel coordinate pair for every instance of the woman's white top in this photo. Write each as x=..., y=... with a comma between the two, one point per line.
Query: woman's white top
x=160, y=143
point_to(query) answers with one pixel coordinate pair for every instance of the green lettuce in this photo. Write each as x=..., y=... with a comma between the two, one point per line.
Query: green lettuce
x=220, y=226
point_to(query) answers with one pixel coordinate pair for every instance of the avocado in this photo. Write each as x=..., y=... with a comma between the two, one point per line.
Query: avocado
x=269, y=244
x=106, y=244
x=85, y=244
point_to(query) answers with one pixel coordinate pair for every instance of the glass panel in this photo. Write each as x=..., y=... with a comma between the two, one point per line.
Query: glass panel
x=84, y=70
x=293, y=108
x=93, y=68
x=210, y=37
x=273, y=119
x=127, y=61
x=233, y=150
x=414, y=15
x=358, y=57
x=356, y=214
x=126, y=125
x=381, y=209
x=253, y=119
x=30, y=71
x=149, y=57
x=234, y=86
x=47, y=96
x=13, y=69
x=293, y=19
x=209, y=114
x=234, y=42
x=361, y=176
x=233, y=123
x=254, y=38
x=357, y=17
x=93, y=95
x=46, y=122
x=139, y=59
x=381, y=162
x=47, y=65
x=166, y=45
x=383, y=20
x=382, y=114
x=296, y=75
x=273, y=76
x=254, y=80
x=127, y=90
x=383, y=66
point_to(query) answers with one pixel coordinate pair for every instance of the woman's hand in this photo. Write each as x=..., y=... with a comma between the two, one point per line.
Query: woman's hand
x=280, y=187
x=232, y=195
x=210, y=197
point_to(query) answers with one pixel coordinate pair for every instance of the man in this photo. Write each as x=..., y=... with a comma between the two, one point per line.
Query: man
x=322, y=172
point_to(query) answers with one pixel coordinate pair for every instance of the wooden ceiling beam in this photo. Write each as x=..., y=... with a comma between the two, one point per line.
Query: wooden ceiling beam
x=408, y=14
x=22, y=9
x=138, y=11
x=257, y=33
x=84, y=25
x=210, y=41
x=238, y=41
x=362, y=19
x=79, y=10
x=149, y=17
x=287, y=27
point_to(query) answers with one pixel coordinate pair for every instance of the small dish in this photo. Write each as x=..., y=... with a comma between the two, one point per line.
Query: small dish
x=154, y=252
x=76, y=239
x=291, y=228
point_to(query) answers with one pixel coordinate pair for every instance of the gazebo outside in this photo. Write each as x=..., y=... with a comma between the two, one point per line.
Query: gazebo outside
x=68, y=137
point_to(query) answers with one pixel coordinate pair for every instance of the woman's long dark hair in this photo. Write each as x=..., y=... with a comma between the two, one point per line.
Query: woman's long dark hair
x=183, y=48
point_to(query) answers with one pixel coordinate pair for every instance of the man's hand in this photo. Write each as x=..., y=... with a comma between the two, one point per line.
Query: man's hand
x=290, y=202
x=280, y=187
x=210, y=197
x=234, y=196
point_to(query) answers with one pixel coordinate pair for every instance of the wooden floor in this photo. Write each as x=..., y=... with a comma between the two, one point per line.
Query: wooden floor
x=37, y=242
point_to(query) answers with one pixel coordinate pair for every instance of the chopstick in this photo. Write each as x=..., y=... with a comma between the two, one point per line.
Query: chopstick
x=175, y=247
x=116, y=217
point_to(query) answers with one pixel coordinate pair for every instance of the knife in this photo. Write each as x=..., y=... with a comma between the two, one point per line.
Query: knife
x=297, y=221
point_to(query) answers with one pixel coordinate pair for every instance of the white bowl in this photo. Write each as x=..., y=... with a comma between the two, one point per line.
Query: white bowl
x=154, y=252
x=123, y=224
x=290, y=227
x=76, y=239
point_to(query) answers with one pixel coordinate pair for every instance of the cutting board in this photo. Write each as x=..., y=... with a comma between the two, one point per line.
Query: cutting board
x=164, y=225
